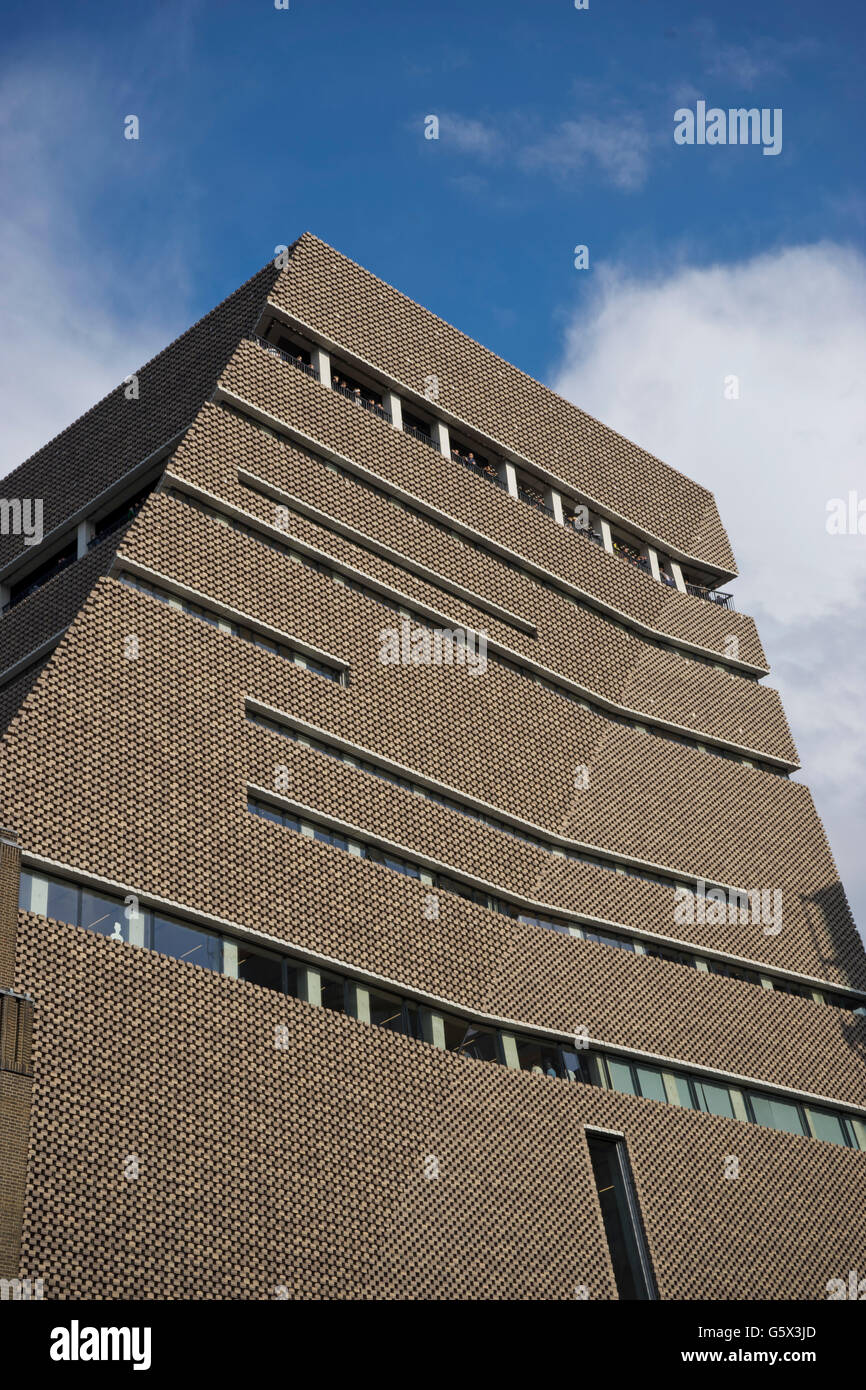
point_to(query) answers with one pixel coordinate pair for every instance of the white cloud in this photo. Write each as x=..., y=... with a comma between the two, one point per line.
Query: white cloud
x=616, y=146
x=650, y=358
x=76, y=315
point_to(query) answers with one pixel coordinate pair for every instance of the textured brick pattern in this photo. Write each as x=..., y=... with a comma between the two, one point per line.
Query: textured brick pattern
x=178, y=712
x=15, y=1096
x=16, y=1028
x=13, y=693
x=347, y=304
x=117, y=434
x=303, y=1169
x=330, y=419
x=573, y=641
x=46, y=612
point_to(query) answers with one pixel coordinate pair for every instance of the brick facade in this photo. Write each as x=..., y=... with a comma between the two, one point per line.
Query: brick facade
x=175, y=1151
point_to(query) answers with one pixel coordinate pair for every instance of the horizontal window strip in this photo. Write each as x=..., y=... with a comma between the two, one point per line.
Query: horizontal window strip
x=125, y=920
x=362, y=848
x=405, y=607
x=531, y=489
x=246, y=634
x=477, y=544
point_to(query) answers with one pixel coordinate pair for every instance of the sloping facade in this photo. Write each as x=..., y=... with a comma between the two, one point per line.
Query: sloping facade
x=332, y=962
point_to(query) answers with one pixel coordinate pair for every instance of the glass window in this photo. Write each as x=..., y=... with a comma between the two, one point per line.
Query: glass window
x=652, y=1087
x=259, y=968
x=776, y=1113
x=622, y=1224
x=187, y=943
x=550, y=1059
x=25, y=891
x=63, y=901
x=104, y=914
x=621, y=1077
x=471, y=1041
x=603, y=939
x=386, y=1011
x=334, y=993
x=259, y=808
x=825, y=1125
x=716, y=1100
x=682, y=1091
x=733, y=972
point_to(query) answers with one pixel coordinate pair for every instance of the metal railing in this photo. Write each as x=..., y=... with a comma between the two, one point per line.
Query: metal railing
x=357, y=398
x=297, y=362
x=711, y=596
x=588, y=533
x=422, y=435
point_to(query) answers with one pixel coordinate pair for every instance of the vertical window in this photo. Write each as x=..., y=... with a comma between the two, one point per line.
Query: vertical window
x=259, y=967
x=716, y=1100
x=825, y=1125
x=622, y=1225
x=776, y=1113
x=104, y=914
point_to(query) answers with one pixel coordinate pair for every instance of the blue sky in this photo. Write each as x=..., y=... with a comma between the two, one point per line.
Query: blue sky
x=257, y=124
x=556, y=129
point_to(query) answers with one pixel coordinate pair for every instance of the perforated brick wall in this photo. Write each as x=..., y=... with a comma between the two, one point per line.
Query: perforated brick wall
x=265, y=1172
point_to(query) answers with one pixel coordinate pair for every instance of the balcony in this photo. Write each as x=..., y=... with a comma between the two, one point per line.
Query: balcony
x=359, y=395
x=532, y=496
x=476, y=463
x=588, y=534
x=711, y=596
x=631, y=555
x=41, y=576
x=419, y=429
x=294, y=359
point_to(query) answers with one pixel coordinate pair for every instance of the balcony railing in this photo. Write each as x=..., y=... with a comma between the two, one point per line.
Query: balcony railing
x=289, y=357
x=711, y=596
x=481, y=466
x=533, y=498
x=588, y=534
x=422, y=435
x=355, y=395
x=632, y=556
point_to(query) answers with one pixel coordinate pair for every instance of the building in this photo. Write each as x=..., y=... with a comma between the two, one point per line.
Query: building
x=403, y=892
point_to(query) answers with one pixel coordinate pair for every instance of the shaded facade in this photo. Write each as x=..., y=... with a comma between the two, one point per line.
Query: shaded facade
x=333, y=964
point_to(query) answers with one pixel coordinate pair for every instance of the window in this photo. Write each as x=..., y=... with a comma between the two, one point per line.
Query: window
x=619, y=1211
x=187, y=943
x=469, y=1040
x=548, y=1059
x=715, y=1100
x=777, y=1113
x=825, y=1125
x=104, y=914
x=333, y=993
x=388, y=1011
x=260, y=967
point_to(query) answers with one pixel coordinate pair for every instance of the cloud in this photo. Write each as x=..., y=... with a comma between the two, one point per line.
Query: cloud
x=76, y=313
x=617, y=146
x=650, y=357
x=471, y=136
